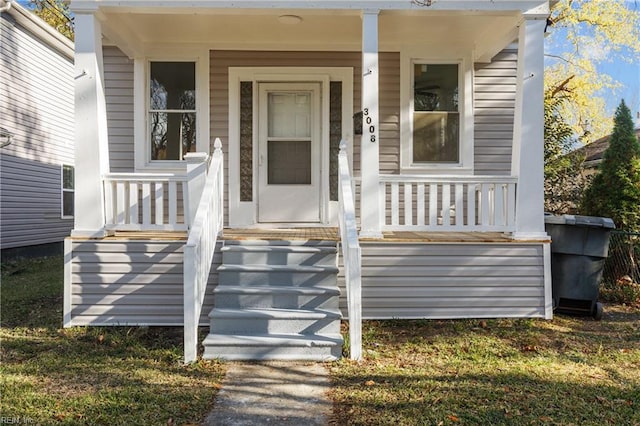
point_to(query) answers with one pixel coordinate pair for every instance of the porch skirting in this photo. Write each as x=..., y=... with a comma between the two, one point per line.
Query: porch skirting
x=120, y=280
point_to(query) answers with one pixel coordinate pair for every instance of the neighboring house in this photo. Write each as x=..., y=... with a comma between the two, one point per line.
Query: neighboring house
x=36, y=121
x=446, y=153
x=594, y=152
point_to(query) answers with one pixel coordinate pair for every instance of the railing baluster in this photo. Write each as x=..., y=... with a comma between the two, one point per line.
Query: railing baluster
x=159, y=203
x=146, y=203
x=446, y=205
x=120, y=202
x=420, y=206
x=459, y=203
x=408, y=203
x=511, y=205
x=433, y=205
x=485, y=207
x=471, y=204
x=173, y=204
x=395, y=210
x=133, y=203
x=498, y=195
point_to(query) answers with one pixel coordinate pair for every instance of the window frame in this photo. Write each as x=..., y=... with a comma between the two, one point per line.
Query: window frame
x=142, y=93
x=64, y=190
x=465, y=165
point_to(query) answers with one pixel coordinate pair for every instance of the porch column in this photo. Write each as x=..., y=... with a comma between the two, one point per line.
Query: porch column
x=369, y=153
x=91, y=145
x=528, y=144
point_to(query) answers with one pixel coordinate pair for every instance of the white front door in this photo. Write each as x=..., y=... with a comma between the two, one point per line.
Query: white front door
x=289, y=152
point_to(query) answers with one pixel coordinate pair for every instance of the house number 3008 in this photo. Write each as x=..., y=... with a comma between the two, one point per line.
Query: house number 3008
x=372, y=128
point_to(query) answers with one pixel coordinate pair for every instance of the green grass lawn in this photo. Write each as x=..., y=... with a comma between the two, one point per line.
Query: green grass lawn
x=91, y=375
x=569, y=371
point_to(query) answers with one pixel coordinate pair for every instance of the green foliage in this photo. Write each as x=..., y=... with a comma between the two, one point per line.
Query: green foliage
x=55, y=13
x=615, y=191
x=564, y=180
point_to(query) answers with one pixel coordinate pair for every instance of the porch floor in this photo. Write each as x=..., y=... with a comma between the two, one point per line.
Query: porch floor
x=327, y=234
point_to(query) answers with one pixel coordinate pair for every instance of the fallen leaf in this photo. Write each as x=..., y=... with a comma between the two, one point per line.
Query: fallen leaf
x=101, y=338
x=369, y=383
x=530, y=348
x=453, y=418
x=546, y=419
x=483, y=324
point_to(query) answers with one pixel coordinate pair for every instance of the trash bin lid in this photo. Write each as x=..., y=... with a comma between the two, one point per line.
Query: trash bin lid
x=569, y=219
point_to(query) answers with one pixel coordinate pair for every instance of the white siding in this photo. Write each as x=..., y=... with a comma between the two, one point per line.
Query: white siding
x=494, y=108
x=131, y=283
x=36, y=100
x=417, y=280
x=118, y=82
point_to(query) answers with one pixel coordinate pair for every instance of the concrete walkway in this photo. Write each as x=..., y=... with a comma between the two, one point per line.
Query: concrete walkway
x=278, y=393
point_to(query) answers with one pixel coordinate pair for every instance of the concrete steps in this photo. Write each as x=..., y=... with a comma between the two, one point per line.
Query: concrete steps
x=276, y=300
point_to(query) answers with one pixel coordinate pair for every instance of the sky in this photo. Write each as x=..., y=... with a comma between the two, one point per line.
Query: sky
x=623, y=67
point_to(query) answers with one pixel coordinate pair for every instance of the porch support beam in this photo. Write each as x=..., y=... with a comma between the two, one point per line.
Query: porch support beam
x=91, y=142
x=370, y=224
x=528, y=144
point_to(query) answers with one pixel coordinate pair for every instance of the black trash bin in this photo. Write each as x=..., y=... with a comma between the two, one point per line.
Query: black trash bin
x=579, y=246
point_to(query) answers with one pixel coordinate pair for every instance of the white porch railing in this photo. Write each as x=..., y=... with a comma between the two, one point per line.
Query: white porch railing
x=350, y=251
x=146, y=201
x=448, y=203
x=199, y=250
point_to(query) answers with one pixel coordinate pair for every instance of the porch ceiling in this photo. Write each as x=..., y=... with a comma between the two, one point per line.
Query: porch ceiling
x=140, y=33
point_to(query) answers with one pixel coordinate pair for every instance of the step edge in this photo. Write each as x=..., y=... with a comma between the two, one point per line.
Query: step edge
x=276, y=268
x=274, y=313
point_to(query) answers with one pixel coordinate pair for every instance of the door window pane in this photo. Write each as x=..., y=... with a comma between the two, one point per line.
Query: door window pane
x=289, y=162
x=289, y=115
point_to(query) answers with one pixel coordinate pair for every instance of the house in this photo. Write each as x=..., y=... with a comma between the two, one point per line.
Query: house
x=37, y=134
x=594, y=152
x=220, y=145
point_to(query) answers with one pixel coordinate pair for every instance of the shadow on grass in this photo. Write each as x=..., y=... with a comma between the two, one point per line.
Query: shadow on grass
x=91, y=375
x=479, y=399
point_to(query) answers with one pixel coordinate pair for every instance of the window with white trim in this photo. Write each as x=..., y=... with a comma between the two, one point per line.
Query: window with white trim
x=436, y=115
x=67, y=191
x=437, y=125
x=171, y=97
x=172, y=110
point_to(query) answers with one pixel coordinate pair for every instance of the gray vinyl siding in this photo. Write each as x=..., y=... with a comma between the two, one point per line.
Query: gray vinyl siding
x=131, y=283
x=36, y=87
x=494, y=108
x=438, y=281
x=118, y=87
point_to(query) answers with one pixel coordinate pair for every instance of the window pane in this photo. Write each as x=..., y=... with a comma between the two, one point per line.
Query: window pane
x=289, y=115
x=289, y=162
x=67, y=203
x=67, y=177
x=173, y=86
x=435, y=137
x=173, y=134
x=435, y=87
x=436, y=121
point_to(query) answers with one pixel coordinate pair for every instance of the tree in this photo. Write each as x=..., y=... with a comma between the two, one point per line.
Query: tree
x=56, y=13
x=564, y=180
x=588, y=33
x=615, y=191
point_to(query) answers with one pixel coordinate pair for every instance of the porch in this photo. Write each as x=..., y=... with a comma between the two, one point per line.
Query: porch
x=436, y=202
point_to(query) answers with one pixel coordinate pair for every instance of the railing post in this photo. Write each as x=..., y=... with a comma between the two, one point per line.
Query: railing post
x=217, y=155
x=196, y=177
